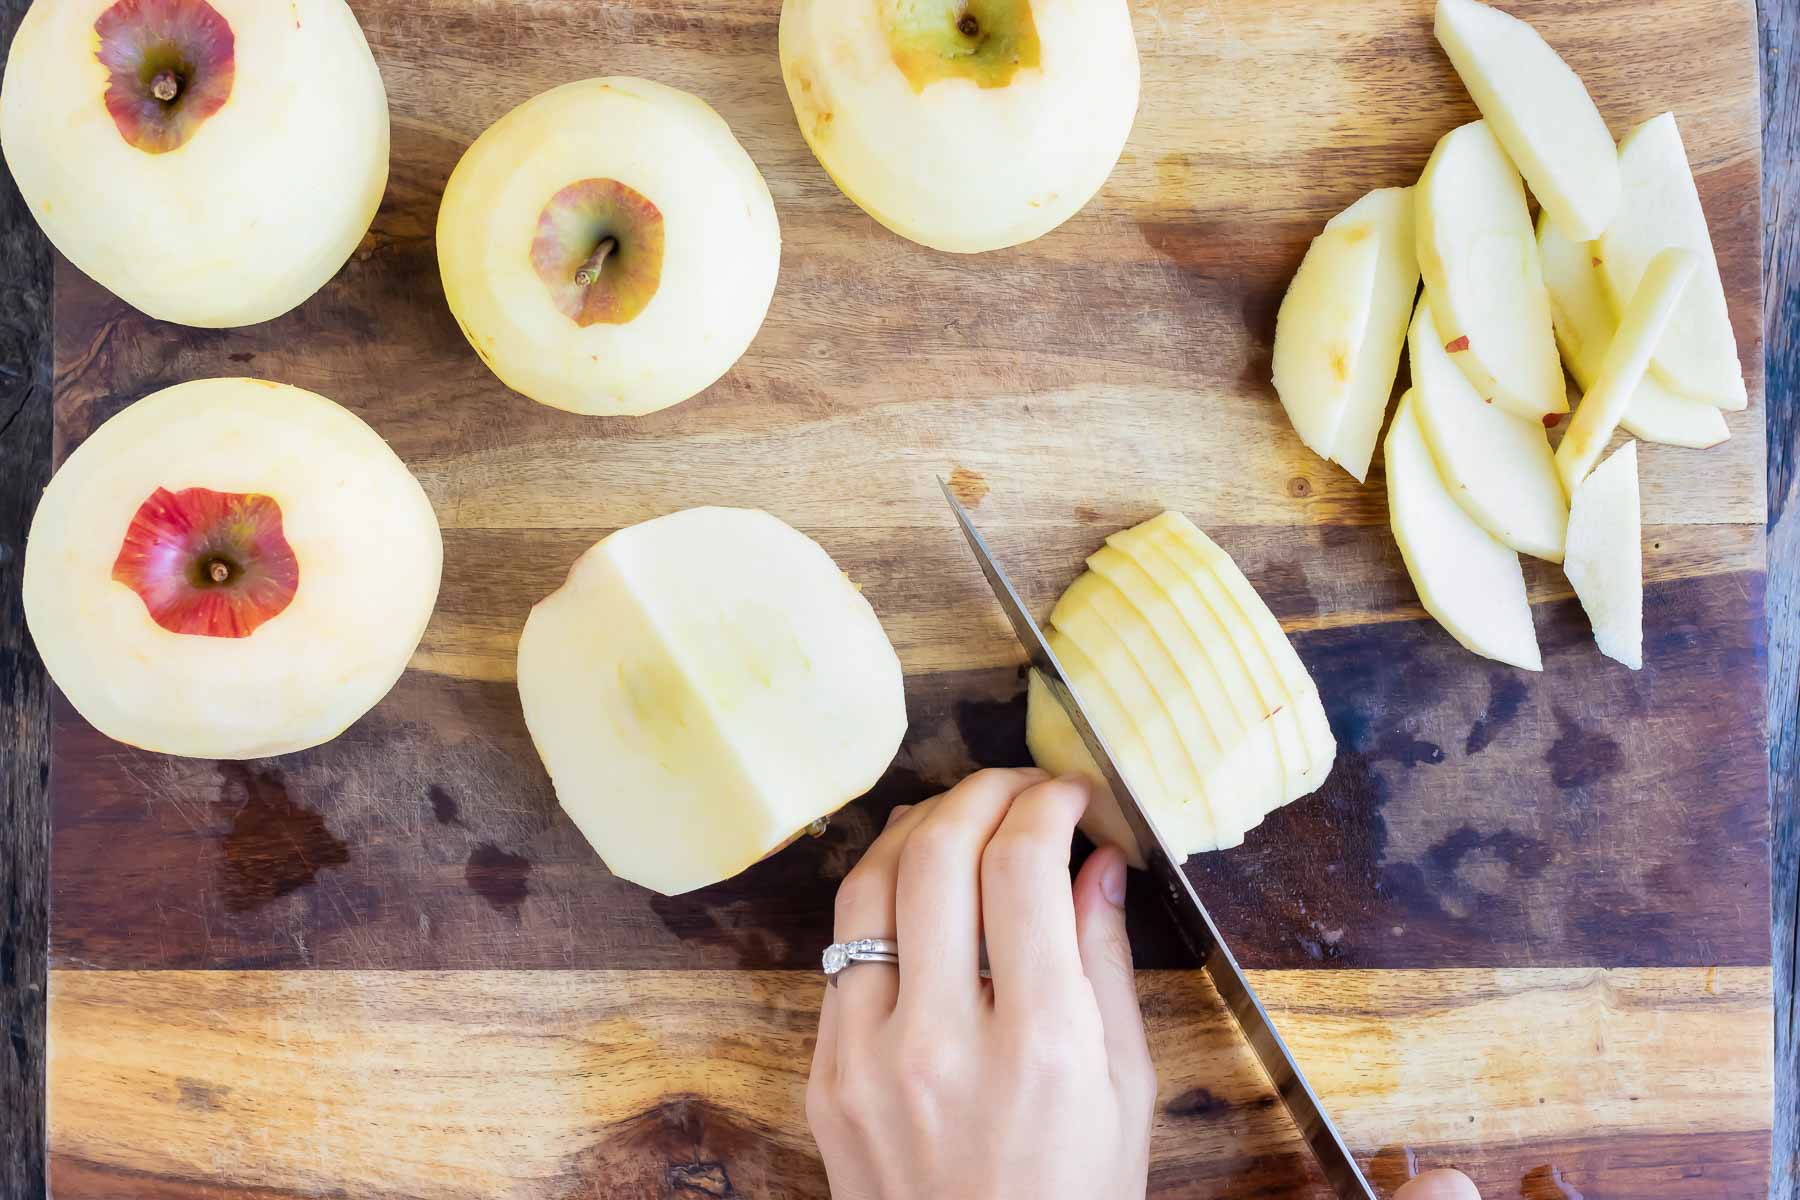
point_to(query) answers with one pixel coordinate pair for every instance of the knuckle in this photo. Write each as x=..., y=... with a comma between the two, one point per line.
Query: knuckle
x=1012, y=857
x=860, y=894
x=933, y=845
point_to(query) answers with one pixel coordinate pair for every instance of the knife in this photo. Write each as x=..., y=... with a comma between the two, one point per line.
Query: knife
x=1191, y=917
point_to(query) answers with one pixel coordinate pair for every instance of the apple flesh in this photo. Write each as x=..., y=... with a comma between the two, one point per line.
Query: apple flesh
x=608, y=247
x=703, y=687
x=1606, y=556
x=1586, y=326
x=1539, y=110
x=965, y=127
x=1478, y=255
x=211, y=162
x=1209, y=713
x=1498, y=467
x=1659, y=210
x=230, y=568
x=1466, y=578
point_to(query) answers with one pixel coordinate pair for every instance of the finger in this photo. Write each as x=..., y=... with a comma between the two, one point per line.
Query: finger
x=1439, y=1185
x=938, y=897
x=1106, y=957
x=1027, y=907
x=865, y=909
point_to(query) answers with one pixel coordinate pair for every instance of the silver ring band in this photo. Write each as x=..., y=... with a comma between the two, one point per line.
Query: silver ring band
x=840, y=956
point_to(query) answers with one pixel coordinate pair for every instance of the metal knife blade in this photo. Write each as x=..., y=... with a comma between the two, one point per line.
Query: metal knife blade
x=1196, y=924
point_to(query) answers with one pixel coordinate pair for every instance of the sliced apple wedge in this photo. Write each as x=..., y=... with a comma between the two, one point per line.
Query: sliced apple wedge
x=1660, y=208
x=1057, y=748
x=1585, y=326
x=1498, y=466
x=1478, y=255
x=1467, y=579
x=1539, y=110
x=1606, y=556
x=1626, y=360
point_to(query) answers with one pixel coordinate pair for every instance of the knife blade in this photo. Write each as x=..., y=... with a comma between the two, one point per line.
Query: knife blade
x=1196, y=924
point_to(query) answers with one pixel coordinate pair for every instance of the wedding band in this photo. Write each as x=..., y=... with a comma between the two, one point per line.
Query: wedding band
x=840, y=956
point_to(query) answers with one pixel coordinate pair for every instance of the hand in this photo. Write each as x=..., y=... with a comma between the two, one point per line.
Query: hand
x=1439, y=1185
x=929, y=1083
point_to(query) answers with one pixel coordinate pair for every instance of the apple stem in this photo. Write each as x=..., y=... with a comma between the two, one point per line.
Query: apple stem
x=590, y=270
x=165, y=86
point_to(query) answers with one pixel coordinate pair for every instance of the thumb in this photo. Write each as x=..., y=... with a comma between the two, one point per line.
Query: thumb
x=1439, y=1185
x=1106, y=959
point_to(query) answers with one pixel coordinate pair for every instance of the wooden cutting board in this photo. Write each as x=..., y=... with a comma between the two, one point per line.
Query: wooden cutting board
x=1523, y=929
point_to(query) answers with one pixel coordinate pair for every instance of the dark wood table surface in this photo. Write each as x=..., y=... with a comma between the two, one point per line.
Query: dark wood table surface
x=25, y=446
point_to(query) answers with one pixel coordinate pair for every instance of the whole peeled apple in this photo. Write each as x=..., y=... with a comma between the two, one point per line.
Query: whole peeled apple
x=211, y=162
x=608, y=247
x=965, y=125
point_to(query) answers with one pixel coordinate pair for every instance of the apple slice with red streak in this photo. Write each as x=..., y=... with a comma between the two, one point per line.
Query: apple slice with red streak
x=211, y=564
x=170, y=65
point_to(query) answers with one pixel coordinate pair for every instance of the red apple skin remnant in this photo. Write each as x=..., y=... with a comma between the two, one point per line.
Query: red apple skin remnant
x=1552, y=420
x=569, y=230
x=140, y=41
x=180, y=544
x=1459, y=345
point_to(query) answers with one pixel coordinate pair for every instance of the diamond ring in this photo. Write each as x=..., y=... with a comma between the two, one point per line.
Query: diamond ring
x=839, y=956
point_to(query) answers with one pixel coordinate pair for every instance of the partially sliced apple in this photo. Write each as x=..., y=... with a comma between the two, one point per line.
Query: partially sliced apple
x=1539, y=109
x=1585, y=326
x=1478, y=255
x=1624, y=364
x=1498, y=466
x=1606, y=556
x=1466, y=579
x=1660, y=208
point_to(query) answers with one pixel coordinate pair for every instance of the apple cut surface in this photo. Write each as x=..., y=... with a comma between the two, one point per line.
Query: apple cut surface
x=210, y=162
x=230, y=568
x=1056, y=747
x=1498, y=466
x=1478, y=255
x=702, y=688
x=1641, y=328
x=1467, y=580
x=1660, y=209
x=964, y=126
x=1606, y=556
x=608, y=247
x=1585, y=327
x=1539, y=110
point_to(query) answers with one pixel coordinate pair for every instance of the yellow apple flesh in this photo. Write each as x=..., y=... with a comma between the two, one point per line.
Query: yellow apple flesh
x=963, y=126
x=608, y=247
x=1606, y=556
x=239, y=212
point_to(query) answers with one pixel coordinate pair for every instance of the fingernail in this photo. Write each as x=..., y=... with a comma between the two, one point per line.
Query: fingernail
x=1112, y=882
x=898, y=809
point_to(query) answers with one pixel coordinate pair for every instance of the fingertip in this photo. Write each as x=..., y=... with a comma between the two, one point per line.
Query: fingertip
x=1443, y=1184
x=1102, y=875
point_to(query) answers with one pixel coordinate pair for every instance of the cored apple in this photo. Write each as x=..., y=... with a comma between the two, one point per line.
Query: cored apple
x=211, y=162
x=965, y=125
x=230, y=568
x=608, y=247
x=703, y=687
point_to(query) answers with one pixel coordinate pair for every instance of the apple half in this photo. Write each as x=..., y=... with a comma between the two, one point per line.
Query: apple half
x=1467, y=579
x=1499, y=467
x=964, y=125
x=1539, y=110
x=704, y=687
x=608, y=247
x=230, y=568
x=210, y=162
x=1342, y=327
x=1660, y=209
x=1606, y=556
x=1478, y=255
x=1585, y=327
x=1211, y=715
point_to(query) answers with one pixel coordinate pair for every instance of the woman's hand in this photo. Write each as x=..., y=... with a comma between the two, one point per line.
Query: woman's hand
x=929, y=1083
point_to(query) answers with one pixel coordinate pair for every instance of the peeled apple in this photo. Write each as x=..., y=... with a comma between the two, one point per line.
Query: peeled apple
x=1185, y=672
x=703, y=687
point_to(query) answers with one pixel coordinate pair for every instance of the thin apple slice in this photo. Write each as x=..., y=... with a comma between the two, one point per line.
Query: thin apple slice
x=1585, y=326
x=1322, y=325
x=1660, y=208
x=1479, y=258
x=1499, y=467
x=1056, y=747
x=1624, y=364
x=1539, y=110
x=1466, y=579
x=1606, y=556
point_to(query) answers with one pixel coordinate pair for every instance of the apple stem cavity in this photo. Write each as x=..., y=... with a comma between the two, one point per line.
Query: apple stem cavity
x=968, y=26
x=219, y=571
x=589, y=274
x=166, y=86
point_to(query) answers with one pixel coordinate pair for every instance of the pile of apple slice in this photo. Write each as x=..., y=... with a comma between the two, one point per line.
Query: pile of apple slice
x=1619, y=273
